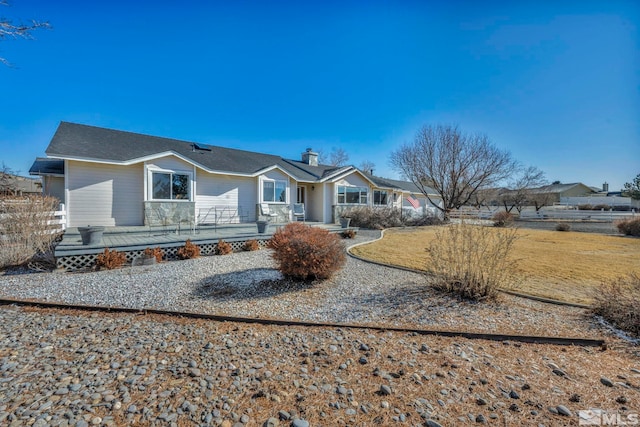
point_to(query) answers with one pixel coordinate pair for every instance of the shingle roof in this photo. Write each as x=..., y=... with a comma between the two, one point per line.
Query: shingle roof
x=400, y=185
x=84, y=142
x=44, y=166
x=557, y=188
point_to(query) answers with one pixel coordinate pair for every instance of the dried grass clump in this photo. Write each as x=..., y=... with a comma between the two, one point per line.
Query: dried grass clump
x=223, y=248
x=618, y=301
x=306, y=253
x=251, y=245
x=502, y=219
x=156, y=253
x=629, y=227
x=470, y=261
x=188, y=251
x=24, y=228
x=563, y=226
x=110, y=260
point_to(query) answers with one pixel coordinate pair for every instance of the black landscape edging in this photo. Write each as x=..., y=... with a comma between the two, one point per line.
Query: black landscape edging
x=584, y=342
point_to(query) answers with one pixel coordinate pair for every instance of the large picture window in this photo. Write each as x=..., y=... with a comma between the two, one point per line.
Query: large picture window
x=274, y=191
x=352, y=195
x=170, y=186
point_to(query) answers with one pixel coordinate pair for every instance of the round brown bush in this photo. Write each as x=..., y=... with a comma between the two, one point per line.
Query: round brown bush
x=188, y=251
x=563, y=226
x=251, y=245
x=630, y=227
x=223, y=248
x=306, y=253
x=502, y=219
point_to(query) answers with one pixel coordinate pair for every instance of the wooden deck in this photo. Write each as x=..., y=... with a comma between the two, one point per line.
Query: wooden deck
x=71, y=254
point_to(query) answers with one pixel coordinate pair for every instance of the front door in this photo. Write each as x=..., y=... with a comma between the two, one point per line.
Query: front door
x=300, y=198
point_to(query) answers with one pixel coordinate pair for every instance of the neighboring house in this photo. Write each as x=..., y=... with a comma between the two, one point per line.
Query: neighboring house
x=554, y=192
x=14, y=185
x=116, y=178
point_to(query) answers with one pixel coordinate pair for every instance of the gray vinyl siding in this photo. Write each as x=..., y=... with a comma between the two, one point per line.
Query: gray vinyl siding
x=225, y=194
x=54, y=186
x=107, y=195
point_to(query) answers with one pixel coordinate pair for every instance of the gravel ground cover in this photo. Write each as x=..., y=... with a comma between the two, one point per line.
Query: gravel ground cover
x=246, y=284
x=65, y=368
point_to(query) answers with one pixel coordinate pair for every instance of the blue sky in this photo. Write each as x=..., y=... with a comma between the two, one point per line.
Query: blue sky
x=555, y=83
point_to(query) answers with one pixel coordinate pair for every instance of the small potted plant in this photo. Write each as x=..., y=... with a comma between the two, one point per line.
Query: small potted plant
x=91, y=235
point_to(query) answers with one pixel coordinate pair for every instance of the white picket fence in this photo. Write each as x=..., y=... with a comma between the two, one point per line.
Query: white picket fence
x=596, y=200
x=551, y=212
x=59, y=223
x=576, y=215
x=56, y=222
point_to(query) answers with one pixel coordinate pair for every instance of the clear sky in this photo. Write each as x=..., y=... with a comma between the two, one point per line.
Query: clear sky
x=557, y=83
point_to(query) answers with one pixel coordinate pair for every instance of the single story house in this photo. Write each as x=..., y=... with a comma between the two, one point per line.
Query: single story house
x=115, y=178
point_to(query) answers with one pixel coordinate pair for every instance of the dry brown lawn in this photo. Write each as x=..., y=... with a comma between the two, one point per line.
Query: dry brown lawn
x=566, y=266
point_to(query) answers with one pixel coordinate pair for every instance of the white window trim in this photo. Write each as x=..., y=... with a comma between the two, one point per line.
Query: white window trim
x=373, y=197
x=149, y=183
x=275, y=202
x=368, y=189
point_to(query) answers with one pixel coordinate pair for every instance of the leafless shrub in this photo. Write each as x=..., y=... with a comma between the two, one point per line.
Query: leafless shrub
x=24, y=228
x=563, y=226
x=618, y=301
x=629, y=227
x=472, y=262
x=386, y=217
x=502, y=219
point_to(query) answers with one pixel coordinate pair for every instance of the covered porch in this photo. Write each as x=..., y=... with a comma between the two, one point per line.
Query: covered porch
x=71, y=254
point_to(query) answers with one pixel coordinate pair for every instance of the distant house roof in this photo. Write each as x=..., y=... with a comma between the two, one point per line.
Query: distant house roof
x=560, y=188
x=15, y=184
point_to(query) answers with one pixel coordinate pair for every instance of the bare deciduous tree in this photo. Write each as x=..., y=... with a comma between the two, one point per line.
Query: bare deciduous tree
x=338, y=157
x=367, y=166
x=541, y=197
x=9, y=30
x=454, y=164
x=521, y=189
x=7, y=180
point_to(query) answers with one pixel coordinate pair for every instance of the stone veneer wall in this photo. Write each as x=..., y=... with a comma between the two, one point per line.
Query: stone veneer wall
x=167, y=213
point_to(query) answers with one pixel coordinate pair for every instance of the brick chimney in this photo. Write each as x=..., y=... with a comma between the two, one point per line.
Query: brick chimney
x=310, y=157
